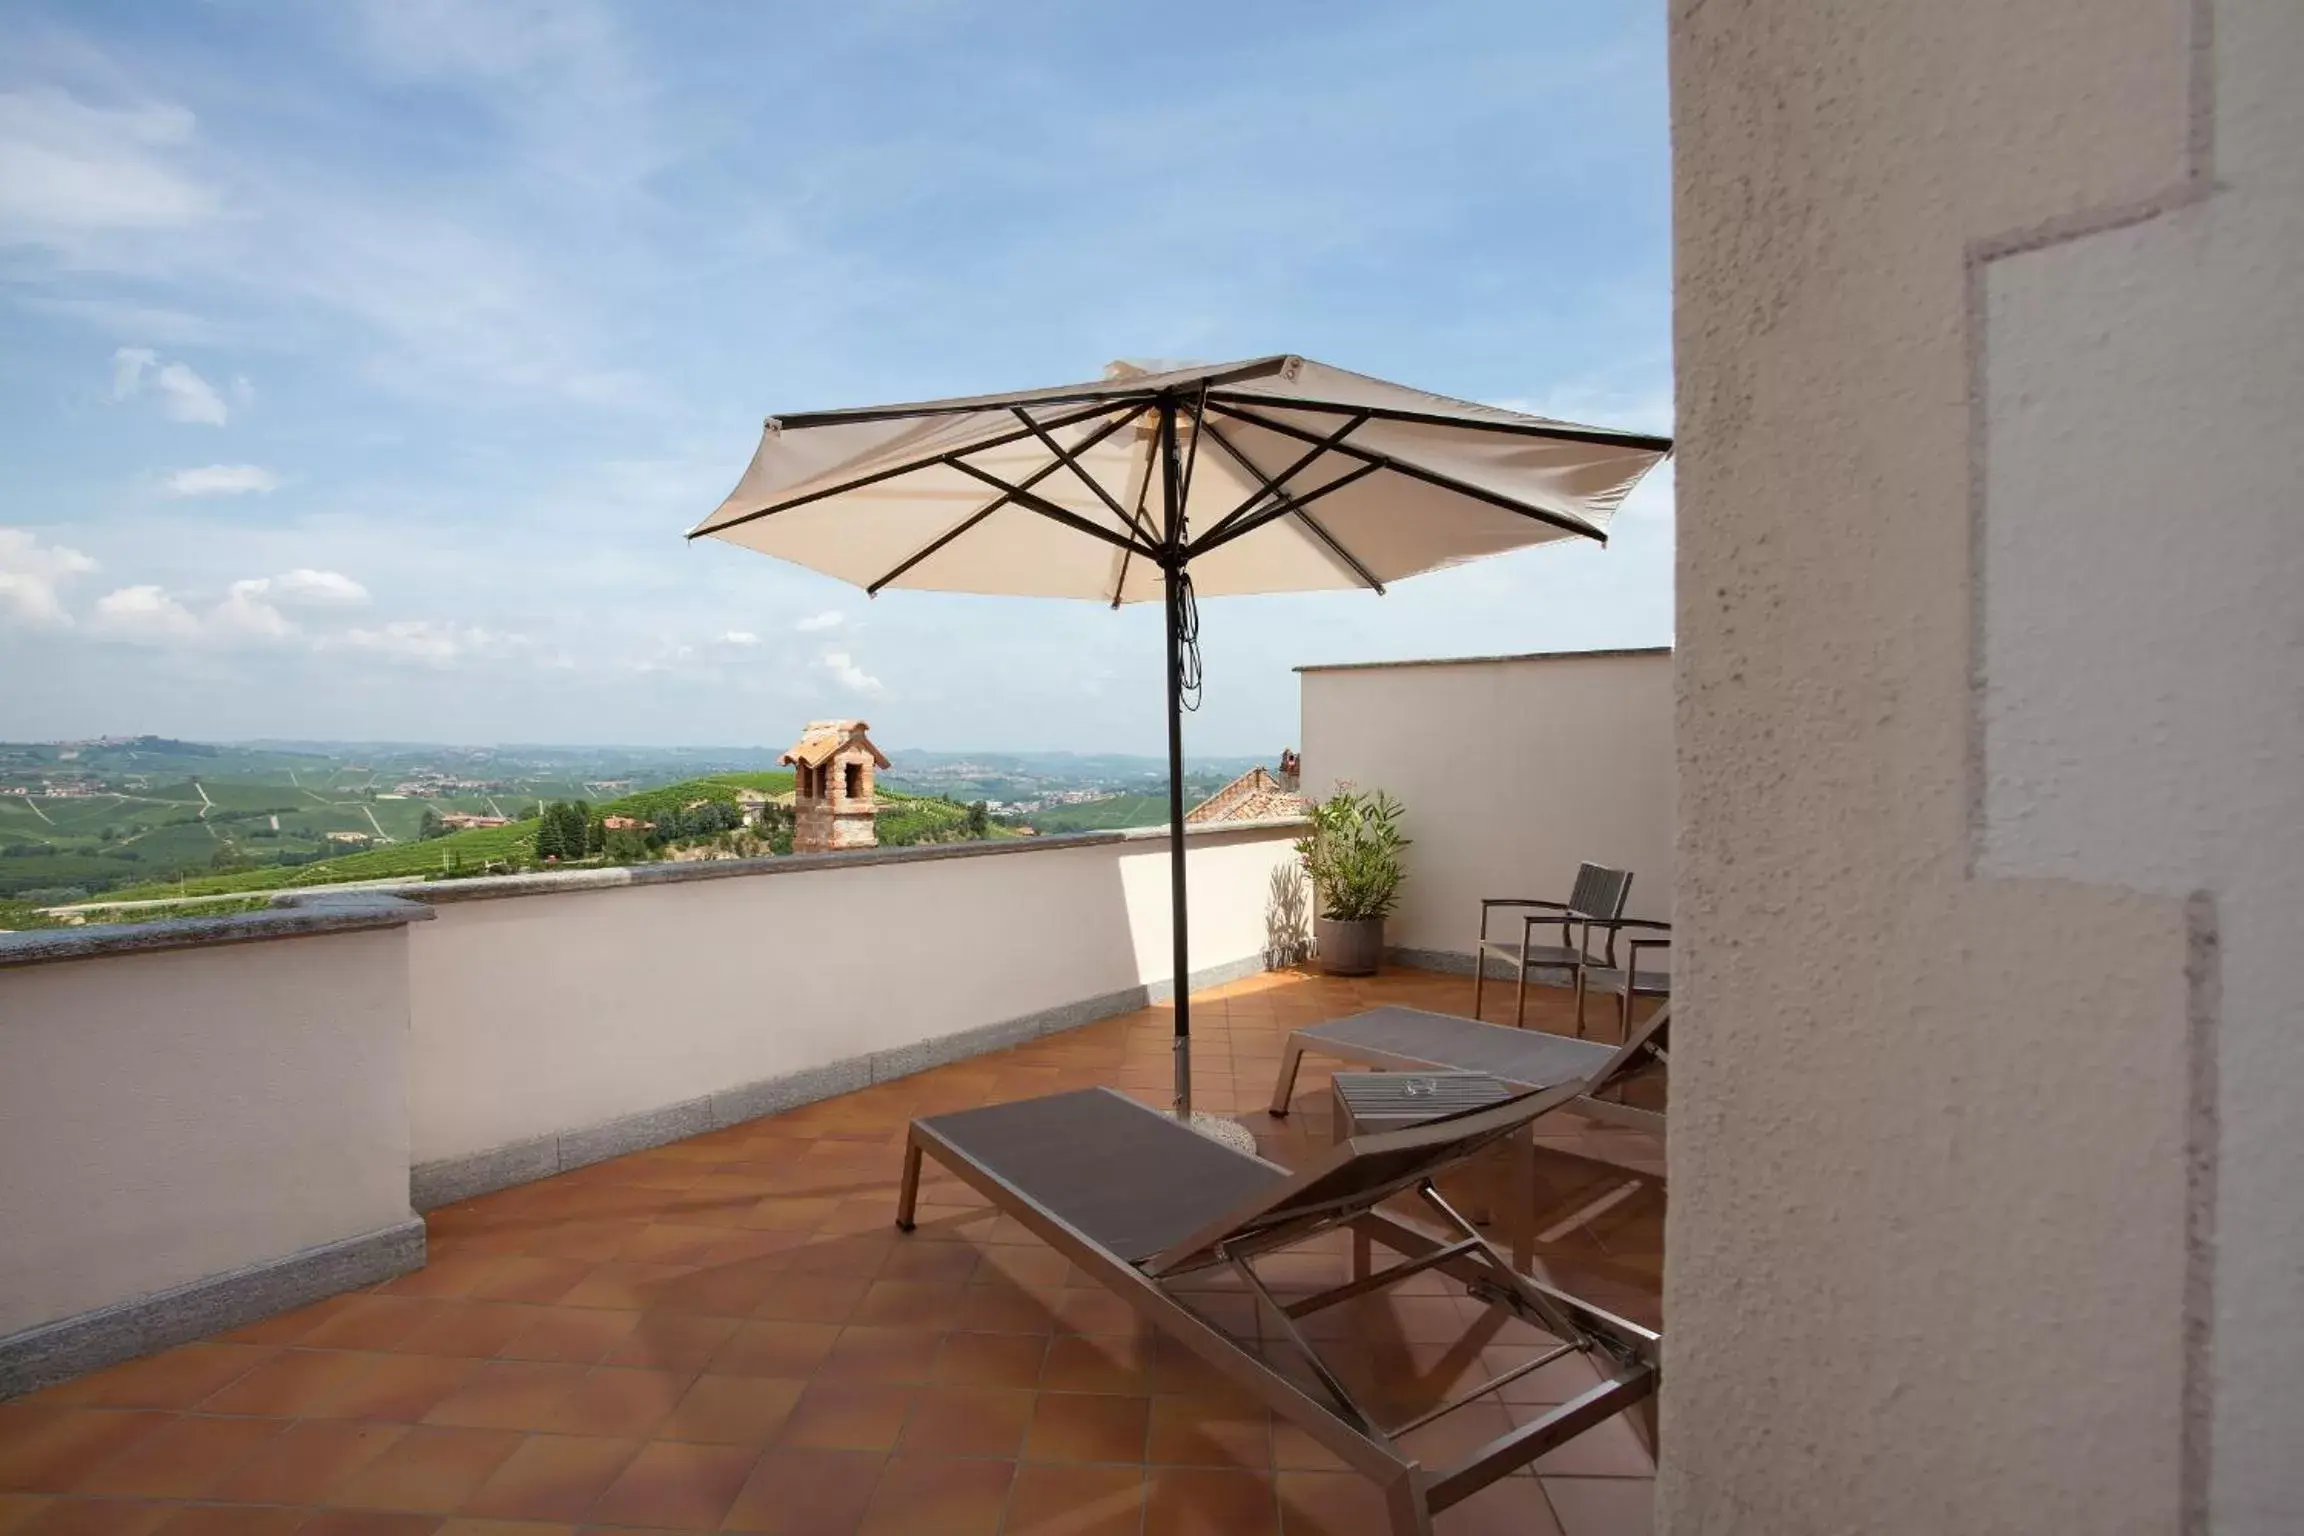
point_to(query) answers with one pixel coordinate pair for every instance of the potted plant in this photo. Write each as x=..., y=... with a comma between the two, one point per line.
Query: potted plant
x=1352, y=854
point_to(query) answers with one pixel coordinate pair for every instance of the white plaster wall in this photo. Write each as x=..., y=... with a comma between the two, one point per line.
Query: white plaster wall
x=1983, y=1212
x=1512, y=772
x=541, y=1014
x=2144, y=669
x=171, y=1116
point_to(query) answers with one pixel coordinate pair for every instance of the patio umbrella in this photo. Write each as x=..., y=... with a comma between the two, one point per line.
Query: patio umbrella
x=1278, y=474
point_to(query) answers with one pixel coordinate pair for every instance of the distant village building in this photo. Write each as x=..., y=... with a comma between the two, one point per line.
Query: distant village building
x=1260, y=794
x=753, y=804
x=832, y=804
x=360, y=838
x=625, y=824
x=465, y=821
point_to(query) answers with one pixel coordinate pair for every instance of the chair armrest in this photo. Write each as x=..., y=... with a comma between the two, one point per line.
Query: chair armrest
x=1520, y=901
x=1647, y=924
x=1634, y=946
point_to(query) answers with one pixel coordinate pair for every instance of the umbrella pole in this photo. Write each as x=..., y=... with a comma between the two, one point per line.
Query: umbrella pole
x=1172, y=569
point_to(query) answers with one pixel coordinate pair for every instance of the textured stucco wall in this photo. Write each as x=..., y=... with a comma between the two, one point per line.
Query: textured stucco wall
x=546, y=1014
x=169, y=1117
x=1512, y=771
x=1984, y=1209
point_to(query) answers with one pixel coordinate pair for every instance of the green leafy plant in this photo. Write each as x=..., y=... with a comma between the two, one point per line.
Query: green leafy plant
x=1352, y=854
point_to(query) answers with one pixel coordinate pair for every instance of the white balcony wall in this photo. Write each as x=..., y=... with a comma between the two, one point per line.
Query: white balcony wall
x=170, y=1117
x=1513, y=770
x=542, y=1016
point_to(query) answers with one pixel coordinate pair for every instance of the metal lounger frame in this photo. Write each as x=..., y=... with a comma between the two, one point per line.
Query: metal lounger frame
x=1292, y=1211
x=1643, y=1045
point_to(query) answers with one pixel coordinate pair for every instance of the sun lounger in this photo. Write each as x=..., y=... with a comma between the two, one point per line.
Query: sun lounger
x=1412, y=1040
x=1138, y=1200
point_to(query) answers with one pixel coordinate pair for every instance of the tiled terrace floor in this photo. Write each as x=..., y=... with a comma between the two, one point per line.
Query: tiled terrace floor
x=728, y=1334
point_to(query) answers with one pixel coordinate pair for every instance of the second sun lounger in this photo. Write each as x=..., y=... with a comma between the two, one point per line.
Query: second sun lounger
x=1137, y=1200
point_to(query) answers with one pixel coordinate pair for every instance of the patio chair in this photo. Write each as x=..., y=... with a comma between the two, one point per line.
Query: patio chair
x=1412, y=1040
x=1138, y=1200
x=1631, y=979
x=1596, y=897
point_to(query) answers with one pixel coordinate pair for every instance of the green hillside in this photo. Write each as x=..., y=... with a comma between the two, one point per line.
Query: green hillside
x=458, y=853
x=1102, y=815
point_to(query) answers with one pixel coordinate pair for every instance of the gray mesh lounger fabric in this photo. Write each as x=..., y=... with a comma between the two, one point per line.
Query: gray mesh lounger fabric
x=1129, y=1178
x=1443, y=1041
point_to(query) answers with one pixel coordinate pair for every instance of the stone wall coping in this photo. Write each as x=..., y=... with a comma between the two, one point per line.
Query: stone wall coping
x=323, y=909
x=1485, y=661
x=554, y=882
x=293, y=915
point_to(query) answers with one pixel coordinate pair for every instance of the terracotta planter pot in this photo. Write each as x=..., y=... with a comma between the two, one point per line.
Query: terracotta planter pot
x=1350, y=946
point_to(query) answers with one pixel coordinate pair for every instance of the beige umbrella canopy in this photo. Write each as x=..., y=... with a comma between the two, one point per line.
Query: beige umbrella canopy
x=1278, y=474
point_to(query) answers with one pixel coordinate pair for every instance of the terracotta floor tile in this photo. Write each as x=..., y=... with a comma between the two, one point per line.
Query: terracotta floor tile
x=100, y=1517
x=946, y=1263
x=1080, y=1426
x=175, y=1378
x=791, y=1350
x=1332, y=1504
x=881, y=1354
x=722, y=1290
x=936, y=1496
x=181, y=1459
x=1512, y=1506
x=17, y=1510
x=672, y=1341
x=999, y=1309
x=552, y=1477
x=732, y=1410
x=472, y=1329
x=1607, y=1449
x=473, y=1525
x=368, y=1322
x=910, y=1303
x=1295, y=1451
x=799, y=1492
x=398, y=1389
x=48, y=1449
x=1095, y=1311
x=1602, y=1506
x=306, y=1462
x=811, y=1298
x=508, y=1394
x=620, y=1285
x=989, y=1359
x=368, y=1522
x=967, y=1421
x=230, y=1520
x=531, y=1279
x=615, y=1401
x=289, y=1385
x=1076, y=1500
x=848, y=1416
x=1194, y=1432
x=680, y=1487
x=428, y=1469
x=1197, y=1501
x=580, y=1335
x=1118, y=1363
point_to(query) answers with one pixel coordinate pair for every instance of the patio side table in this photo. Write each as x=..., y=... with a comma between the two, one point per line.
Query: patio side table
x=1382, y=1101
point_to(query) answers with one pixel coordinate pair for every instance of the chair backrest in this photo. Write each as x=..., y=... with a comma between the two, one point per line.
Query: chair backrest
x=1363, y=1172
x=1599, y=893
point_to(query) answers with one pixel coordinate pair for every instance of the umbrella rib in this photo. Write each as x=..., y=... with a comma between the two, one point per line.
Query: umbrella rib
x=1079, y=473
x=1049, y=509
x=1566, y=522
x=1272, y=485
x=1115, y=392
x=878, y=475
x=1287, y=505
x=973, y=518
x=1563, y=431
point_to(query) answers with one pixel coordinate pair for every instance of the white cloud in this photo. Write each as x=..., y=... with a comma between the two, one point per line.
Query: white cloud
x=223, y=480
x=247, y=613
x=144, y=613
x=842, y=666
x=831, y=618
x=69, y=171
x=30, y=573
x=429, y=641
x=320, y=589
x=739, y=637
x=184, y=395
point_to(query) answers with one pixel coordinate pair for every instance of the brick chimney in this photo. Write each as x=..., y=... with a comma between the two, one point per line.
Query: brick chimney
x=832, y=805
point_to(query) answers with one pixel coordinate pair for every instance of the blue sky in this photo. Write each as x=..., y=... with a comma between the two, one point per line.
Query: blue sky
x=362, y=364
